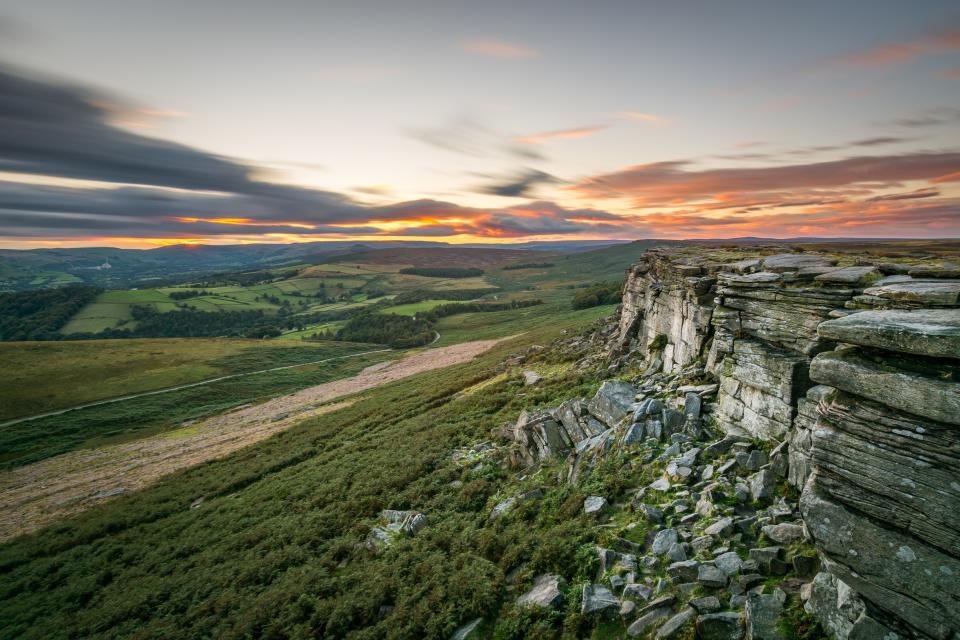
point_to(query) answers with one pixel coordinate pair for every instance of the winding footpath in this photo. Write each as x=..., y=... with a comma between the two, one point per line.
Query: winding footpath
x=143, y=394
x=39, y=494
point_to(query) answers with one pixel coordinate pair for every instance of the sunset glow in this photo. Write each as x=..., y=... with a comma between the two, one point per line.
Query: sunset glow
x=646, y=124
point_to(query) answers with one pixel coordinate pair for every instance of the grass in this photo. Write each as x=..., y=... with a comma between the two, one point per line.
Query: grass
x=45, y=376
x=275, y=550
x=414, y=308
x=27, y=442
x=479, y=326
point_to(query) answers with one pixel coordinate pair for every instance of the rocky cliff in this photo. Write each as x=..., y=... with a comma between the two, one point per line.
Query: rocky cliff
x=875, y=445
x=836, y=375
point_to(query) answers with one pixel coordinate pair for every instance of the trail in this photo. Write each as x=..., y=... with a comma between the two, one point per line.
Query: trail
x=144, y=394
x=39, y=494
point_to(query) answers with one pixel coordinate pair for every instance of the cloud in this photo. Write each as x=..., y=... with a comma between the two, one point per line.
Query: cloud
x=559, y=134
x=936, y=117
x=895, y=53
x=953, y=73
x=498, y=49
x=641, y=117
x=673, y=183
x=466, y=135
x=520, y=184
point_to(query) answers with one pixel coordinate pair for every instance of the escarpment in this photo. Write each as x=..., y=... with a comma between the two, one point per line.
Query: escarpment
x=849, y=371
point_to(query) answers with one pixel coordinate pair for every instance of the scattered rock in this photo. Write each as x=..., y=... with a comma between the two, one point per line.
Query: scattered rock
x=594, y=504
x=761, y=615
x=784, y=533
x=663, y=541
x=762, y=484
x=647, y=621
x=720, y=626
x=612, y=402
x=710, y=576
x=468, y=631
x=599, y=600
x=545, y=593
x=673, y=626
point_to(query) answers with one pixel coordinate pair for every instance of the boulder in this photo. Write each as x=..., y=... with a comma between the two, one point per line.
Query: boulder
x=647, y=621
x=762, y=484
x=707, y=604
x=662, y=541
x=612, y=402
x=683, y=571
x=722, y=527
x=720, y=626
x=674, y=625
x=599, y=600
x=545, y=592
x=761, y=614
x=594, y=504
x=728, y=562
x=531, y=378
x=711, y=576
x=637, y=591
x=784, y=533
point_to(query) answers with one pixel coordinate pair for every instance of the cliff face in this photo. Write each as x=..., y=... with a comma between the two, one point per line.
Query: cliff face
x=855, y=368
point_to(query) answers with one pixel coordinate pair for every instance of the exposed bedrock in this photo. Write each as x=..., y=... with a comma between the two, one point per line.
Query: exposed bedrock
x=857, y=369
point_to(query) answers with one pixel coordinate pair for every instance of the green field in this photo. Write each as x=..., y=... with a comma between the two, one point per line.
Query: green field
x=414, y=308
x=344, y=285
x=26, y=442
x=276, y=549
x=44, y=376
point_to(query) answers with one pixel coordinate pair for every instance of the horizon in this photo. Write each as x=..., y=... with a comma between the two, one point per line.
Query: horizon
x=447, y=122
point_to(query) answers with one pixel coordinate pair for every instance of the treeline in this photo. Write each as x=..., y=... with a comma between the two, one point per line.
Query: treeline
x=40, y=314
x=528, y=265
x=398, y=332
x=598, y=294
x=189, y=293
x=443, y=272
x=444, y=310
x=403, y=332
x=246, y=278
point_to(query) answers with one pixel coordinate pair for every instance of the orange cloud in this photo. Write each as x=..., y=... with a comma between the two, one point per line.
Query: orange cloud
x=499, y=49
x=642, y=117
x=559, y=134
x=894, y=53
x=674, y=183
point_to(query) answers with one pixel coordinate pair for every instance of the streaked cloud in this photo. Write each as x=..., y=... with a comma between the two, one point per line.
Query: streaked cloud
x=559, y=134
x=639, y=116
x=894, y=53
x=520, y=184
x=494, y=48
x=675, y=182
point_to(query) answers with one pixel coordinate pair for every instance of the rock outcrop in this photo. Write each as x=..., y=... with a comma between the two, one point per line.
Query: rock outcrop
x=850, y=373
x=859, y=374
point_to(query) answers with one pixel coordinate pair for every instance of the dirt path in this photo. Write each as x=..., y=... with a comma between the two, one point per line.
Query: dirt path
x=188, y=385
x=36, y=495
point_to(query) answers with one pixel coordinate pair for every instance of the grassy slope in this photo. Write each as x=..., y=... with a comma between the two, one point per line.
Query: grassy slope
x=44, y=376
x=274, y=550
x=28, y=442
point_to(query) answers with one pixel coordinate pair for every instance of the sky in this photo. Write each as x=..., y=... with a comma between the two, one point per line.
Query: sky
x=137, y=123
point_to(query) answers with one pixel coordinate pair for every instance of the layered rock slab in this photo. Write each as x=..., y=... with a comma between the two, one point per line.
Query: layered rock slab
x=926, y=332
